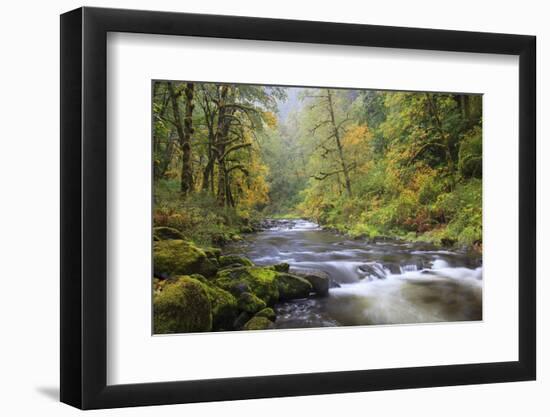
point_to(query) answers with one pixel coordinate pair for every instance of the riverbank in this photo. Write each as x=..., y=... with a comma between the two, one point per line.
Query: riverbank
x=197, y=289
x=451, y=219
x=295, y=274
x=381, y=281
x=360, y=231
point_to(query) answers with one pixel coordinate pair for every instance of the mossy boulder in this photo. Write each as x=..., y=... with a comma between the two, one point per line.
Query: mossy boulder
x=292, y=286
x=224, y=305
x=182, y=306
x=262, y=282
x=167, y=233
x=268, y=313
x=229, y=260
x=180, y=257
x=258, y=323
x=250, y=303
x=213, y=253
x=319, y=280
x=282, y=267
x=241, y=320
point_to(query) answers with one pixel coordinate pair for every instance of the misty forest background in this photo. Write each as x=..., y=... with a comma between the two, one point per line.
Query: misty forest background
x=366, y=163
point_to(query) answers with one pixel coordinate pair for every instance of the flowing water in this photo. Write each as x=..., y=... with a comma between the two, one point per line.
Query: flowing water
x=385, y=282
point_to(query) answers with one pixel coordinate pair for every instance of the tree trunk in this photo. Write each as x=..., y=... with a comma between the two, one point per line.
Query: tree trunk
x=185, y=131
x=336, y=133
x=222, y=131
x=445, y=140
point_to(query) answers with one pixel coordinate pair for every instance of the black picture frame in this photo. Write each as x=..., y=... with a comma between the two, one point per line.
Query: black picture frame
x=84, y=207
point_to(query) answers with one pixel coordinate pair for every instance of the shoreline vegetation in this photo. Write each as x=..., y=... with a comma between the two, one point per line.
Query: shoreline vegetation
x=368, y=164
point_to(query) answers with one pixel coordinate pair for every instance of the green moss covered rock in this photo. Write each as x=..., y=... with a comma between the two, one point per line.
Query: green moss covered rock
x=319, y=280
x=282, y=267
x=268, y=313
x=250, y=303
x=182, y=306
x=258, y=323
x=228, y=260
x=213, y=253
x=180, y=257
x=224, y=305
x=241, y=320
x=292, y=287
x=167, y=233
x=262, y=282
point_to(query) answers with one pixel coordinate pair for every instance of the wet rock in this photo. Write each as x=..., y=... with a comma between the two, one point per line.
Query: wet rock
x=292, y=287
x=319, y=280
x=372, y=270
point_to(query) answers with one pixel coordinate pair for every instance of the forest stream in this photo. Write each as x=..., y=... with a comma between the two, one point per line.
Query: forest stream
x=380, y=282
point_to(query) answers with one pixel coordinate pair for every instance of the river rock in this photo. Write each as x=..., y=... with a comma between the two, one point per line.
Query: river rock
x=223, y=303
x=181, y=307
x=179, y=257
x=372, y=270
x=250, y=303
x=232, y=266
x=241, y=320
x=230, y=260
x=268, y=313
x=319, y=280
x=258, y=323
x=254, y=279
x=292, y=287
x=282, y=267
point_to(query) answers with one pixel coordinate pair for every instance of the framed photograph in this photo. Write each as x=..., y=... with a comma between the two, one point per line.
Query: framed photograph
x=256, y=208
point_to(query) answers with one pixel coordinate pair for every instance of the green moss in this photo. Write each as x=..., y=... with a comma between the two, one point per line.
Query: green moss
x=224, y=308
x=250, y=303
x=292, y=287
x=228, y=260
x=258, y=323
x=241, y=320
x=167, y=233
x=282, y=267
x=179, y=257
x=213, y=252
x=257, y=280
x=268, y=313
x=182, y=307
x=224, y=304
